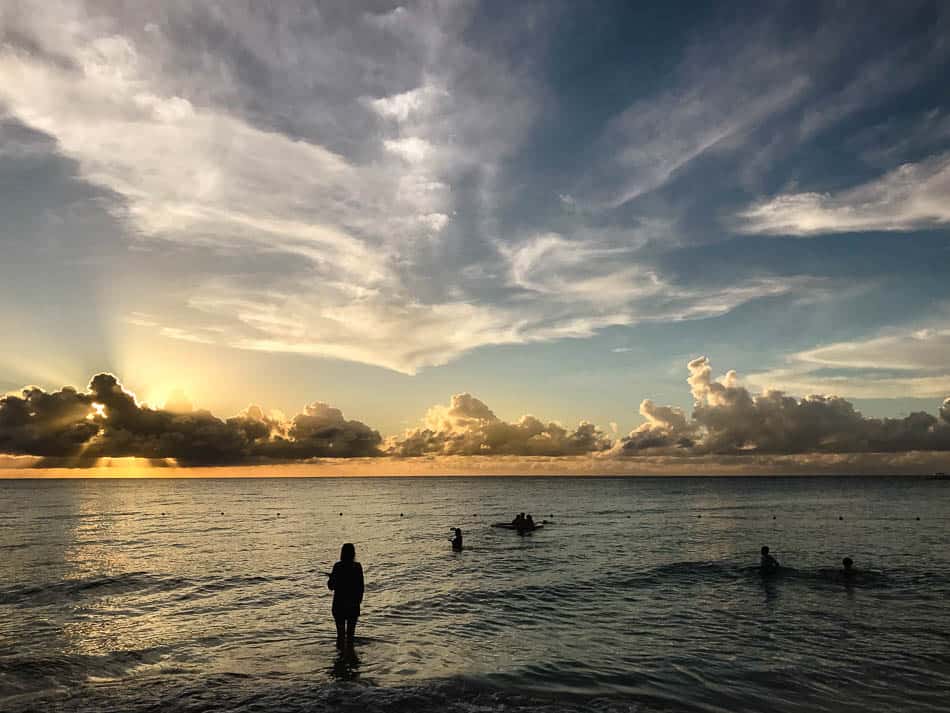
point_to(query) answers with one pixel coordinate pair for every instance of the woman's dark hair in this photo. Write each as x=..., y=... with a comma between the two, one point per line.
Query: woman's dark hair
x=348, y=552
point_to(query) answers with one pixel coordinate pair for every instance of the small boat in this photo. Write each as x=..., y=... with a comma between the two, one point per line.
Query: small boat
x=509, y=526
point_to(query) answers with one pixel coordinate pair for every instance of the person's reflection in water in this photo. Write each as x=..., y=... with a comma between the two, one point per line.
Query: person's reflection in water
x=848, y=575
x=771, y=591
x=346, y=667
x=346, y=581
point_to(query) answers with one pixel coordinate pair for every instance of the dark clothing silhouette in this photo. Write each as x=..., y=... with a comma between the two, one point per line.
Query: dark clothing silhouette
x=346, y=581
x=457, y=540
x=768, y=565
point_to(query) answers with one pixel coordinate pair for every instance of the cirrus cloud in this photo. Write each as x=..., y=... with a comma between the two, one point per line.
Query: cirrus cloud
x=914, y=196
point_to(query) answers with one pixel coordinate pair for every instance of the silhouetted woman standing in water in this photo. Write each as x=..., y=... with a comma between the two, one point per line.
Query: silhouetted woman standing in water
x=346, y=581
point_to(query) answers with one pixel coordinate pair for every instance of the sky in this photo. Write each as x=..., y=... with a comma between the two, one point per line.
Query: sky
x=629, y=236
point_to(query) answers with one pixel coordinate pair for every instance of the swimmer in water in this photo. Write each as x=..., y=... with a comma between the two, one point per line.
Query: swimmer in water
x=457, y=540
x=847, y=568
x=768, y=564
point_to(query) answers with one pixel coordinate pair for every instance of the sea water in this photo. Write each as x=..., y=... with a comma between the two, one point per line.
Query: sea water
x=639, y=594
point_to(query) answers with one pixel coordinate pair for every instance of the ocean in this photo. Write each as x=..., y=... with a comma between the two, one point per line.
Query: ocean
x=639, y=594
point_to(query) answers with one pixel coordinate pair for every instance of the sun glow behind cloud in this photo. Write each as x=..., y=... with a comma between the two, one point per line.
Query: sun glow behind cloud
x=729, y=426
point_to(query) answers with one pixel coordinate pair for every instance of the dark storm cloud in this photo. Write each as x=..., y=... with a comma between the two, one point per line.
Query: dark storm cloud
x=727, y=419
x=468, y=427
x=106, y=421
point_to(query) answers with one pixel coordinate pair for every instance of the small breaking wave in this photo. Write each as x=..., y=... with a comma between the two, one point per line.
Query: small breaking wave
x=240, y=693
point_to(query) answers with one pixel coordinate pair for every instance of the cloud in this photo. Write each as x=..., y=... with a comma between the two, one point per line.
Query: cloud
x=467, y=427
x=595, y=281
x=913, y=196
x=80, y=427
x=728, y=423
x=728, y=419
x=756, y=94
x=907, y=363
x=178, y=134
x=350, y=160
x=654, y=138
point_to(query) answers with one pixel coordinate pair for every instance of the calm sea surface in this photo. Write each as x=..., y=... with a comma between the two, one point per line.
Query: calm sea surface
x=639, y=595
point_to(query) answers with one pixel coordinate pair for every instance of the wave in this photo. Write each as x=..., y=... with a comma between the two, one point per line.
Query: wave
x=680, y=575
x=67, y=590
x=22, y=675
x=70, y=590
x=239, y=693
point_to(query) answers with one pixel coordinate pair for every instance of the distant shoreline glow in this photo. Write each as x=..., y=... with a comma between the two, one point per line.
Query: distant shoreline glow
x=814, y=464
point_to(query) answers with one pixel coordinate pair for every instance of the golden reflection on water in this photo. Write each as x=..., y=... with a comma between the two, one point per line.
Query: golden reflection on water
x=99, y=536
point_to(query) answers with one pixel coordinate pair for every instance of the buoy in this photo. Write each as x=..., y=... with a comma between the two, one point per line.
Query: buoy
x=773, y=517
x=341, y=514
x=840, y=518
x=918, y=518
x=400, y=514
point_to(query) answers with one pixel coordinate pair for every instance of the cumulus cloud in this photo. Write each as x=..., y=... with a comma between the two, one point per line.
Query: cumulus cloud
x=468, y=427
x=79, y=427
x=913, y=196
x=728, y=419
x=728, y=423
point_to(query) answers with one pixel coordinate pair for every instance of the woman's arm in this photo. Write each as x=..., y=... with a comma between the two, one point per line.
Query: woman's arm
x=359, y=583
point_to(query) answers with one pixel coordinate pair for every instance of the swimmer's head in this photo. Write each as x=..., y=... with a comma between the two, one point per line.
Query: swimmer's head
x=847, y=562
x=764, y=550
